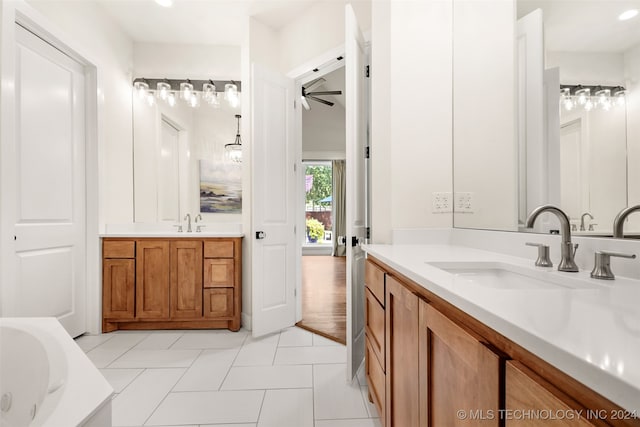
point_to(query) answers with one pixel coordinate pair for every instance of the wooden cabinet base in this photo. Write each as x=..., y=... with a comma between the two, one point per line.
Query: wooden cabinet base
x=232, y=325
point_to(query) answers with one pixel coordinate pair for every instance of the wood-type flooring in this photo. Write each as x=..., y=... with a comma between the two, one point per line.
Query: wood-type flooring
x=324, y=297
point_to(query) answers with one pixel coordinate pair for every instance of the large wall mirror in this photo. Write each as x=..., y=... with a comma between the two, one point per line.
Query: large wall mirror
x=179, y=159
x=524, y=141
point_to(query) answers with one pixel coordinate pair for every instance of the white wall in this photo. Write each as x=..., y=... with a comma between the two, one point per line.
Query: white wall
x=179, y=61
x=588, y=68
x=91, y=29
x=323, y=132
x=380, y=130
x=632, y=77
x=317, y=30
x=483, y=118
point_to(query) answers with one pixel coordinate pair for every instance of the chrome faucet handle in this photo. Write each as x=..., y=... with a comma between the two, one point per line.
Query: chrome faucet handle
x=592, y=226
x=199, y=228
x=179, y=227
x=574, y=227
x=602, y=264
x=543, y=255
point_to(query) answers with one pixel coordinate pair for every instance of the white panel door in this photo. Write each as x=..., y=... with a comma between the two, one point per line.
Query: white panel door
x=273, y=201
x=531, y=148
x=48, y=196
x=356, y=138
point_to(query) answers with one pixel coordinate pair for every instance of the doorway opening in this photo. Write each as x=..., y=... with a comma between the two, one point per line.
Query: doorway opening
x=323, y=261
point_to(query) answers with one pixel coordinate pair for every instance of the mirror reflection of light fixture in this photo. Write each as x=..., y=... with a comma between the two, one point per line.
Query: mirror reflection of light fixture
x=233, y=151
x=209, y=94
x=171, y=99
x=590, y=97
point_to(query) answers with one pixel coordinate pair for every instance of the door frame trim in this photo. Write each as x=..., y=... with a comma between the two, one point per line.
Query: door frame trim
x=13, y=13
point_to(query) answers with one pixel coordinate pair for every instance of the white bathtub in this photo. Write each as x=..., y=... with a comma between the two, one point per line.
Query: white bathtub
x=46, y=380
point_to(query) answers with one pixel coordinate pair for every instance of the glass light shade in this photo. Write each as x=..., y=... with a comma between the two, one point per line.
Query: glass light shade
x=151, y=99
x=588, y=105
x=186, y=89
x=583, y=96
x=210, y=94
x=231, y=94
x=568, y=103
x=233, y=152
x=141, y=88
x=162, y=90
x=620, y=98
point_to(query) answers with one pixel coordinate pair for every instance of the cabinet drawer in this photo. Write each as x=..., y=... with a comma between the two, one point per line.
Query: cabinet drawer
x=218, y=303
x=218, y=273
x=375, y=381
x=374, y=279
x=221, y=249
x=119, y=249
x=374, y=318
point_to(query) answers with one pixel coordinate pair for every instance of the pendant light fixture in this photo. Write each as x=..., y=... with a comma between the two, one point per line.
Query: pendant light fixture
x=233, y=151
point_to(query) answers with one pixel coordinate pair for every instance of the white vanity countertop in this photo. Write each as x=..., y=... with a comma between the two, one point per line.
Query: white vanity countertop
x=173, y=234
x=164, y=230
x=590, y=333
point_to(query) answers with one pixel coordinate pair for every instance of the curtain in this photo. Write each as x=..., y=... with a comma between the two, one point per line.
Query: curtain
x=339, y=207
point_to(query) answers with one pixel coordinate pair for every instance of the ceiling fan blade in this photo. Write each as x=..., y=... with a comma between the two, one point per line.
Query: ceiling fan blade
x=322, y=101
x=314, y=84
x=325, y=92
x=305, y=103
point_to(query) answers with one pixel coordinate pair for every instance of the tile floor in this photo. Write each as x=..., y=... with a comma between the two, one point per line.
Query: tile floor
x=220, y=378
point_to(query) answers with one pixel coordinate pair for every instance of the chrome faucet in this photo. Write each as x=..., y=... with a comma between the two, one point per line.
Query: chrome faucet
x=187, y=218
x=618, y=223
x=582, y=220
x=198, y=226
x=567, y=250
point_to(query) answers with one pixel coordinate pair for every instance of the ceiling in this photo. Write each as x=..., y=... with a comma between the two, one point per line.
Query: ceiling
x=586, y=25
x=214, y=22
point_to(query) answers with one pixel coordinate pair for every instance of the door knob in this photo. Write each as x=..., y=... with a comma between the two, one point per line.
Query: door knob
x=354, y=241
x=342, y=240
x=260, y=235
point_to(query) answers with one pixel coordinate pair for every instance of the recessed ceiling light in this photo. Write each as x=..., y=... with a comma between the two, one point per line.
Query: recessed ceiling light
x=631, y=13
x=165, y=3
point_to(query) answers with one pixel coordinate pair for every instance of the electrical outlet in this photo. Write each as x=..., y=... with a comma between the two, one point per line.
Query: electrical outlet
x=464, y=203
x=441, y=202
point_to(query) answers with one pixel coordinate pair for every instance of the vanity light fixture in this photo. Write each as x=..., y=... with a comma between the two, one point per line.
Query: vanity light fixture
x=192, y=92
x=628, y=14
x=619, y=95
x=233, y=151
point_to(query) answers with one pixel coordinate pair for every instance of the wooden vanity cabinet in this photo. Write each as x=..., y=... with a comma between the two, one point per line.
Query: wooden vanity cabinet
x=375, y=345
x=119, y=278
x=157, y=283
x=527, y=392
x=457, y=372
x=438, y=361
x=402, y=327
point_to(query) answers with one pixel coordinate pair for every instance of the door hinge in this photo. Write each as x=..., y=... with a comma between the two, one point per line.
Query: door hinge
x=367, y=152
x=295, y=292
x=295, y=230
x=367, y=71
x=295, y=105
x=368, y=232
x=295, y=167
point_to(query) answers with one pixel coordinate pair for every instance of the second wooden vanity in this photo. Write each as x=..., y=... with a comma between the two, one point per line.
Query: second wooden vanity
x=171, y=283
x=430, y=364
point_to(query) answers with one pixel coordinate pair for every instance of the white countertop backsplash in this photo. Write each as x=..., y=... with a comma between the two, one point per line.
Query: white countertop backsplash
x=592, y=334
x=141, y=229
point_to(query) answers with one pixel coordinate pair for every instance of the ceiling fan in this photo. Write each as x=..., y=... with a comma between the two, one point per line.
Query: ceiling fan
x=308, y=93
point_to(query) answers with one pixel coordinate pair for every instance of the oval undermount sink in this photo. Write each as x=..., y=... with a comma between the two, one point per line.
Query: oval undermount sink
x=499, y=275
